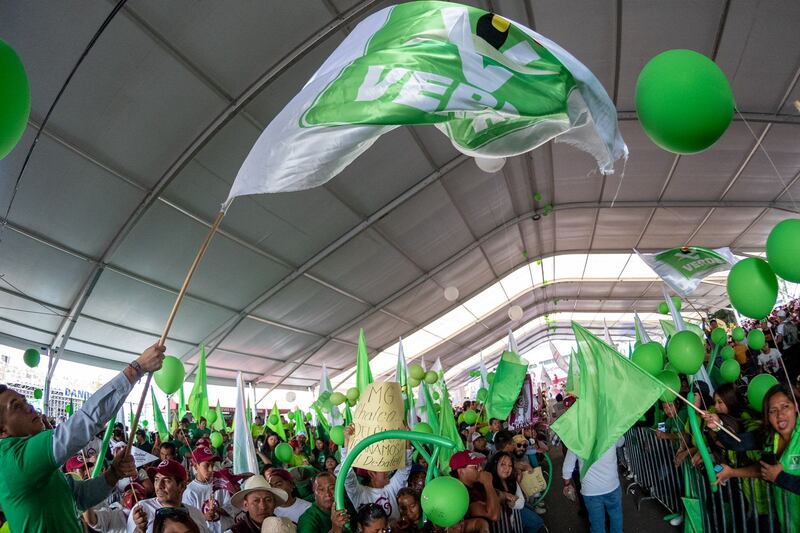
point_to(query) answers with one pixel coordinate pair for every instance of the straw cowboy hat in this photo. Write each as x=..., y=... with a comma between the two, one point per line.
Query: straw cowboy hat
x=253, y=484
x=273, y=524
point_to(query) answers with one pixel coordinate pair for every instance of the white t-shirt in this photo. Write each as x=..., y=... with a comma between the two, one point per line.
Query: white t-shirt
x=151, y=505
x=197, y=495
x=294, y=511
x=602, y=477
x=111, y=519
x=386, y=497
x=770, y=361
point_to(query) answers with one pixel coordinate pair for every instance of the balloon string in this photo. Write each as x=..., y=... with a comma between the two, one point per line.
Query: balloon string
x=621, y=178
x=771, y=162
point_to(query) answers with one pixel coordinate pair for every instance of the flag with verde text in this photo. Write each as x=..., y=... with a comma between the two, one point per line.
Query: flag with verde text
x=684, y=268
x=494, y=87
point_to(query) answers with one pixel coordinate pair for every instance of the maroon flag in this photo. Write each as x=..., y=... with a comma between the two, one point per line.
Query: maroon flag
x=522, y=414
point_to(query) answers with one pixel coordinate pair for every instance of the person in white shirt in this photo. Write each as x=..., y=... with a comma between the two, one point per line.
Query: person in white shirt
x=294, y=507
x=769, y=360
x=381, y=489
x=600, y=488
x=211, y=498
x=170, y=482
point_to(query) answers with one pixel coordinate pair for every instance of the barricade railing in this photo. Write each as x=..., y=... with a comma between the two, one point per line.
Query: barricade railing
x=740, y=505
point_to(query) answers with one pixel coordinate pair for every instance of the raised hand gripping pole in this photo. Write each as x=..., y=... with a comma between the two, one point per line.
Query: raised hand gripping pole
x=171, y=317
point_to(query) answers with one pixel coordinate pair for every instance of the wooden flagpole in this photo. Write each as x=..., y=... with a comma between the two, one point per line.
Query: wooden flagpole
x=171, y=317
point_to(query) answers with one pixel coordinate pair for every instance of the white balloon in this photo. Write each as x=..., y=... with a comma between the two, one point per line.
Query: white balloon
x=515, y=312
x=290, y=396
x=451, y=294
x=490, y=165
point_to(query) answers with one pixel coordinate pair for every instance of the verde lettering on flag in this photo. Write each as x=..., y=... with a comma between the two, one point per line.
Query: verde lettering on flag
x=494, y=87
x=684, y=268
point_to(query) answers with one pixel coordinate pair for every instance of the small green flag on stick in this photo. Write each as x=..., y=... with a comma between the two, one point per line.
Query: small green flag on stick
x=161, y=425
x=363, y=372
x=198, y=398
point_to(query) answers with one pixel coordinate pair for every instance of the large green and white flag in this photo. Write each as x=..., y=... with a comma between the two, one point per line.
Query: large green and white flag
x=494, y=87
x=684, y=268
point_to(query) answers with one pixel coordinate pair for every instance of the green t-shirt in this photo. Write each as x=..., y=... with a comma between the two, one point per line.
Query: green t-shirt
x=790, y=459
x=34, y=494
x=314, y=520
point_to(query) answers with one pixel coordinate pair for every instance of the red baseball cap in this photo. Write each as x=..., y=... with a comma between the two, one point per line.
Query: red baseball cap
x=465, y=459
x=170, y=468
x=282, y=473
x=75, y=462
x=203, y=442
x=202, y=454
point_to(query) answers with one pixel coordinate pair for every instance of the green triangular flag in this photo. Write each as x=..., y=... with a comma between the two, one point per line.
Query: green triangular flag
x=219, y=423
x=299, y=423
x=433, y=420
x=613, y=393
x=694, y=516
x=669, y=329
x=277, y=428
x=504, y=390
x=363, y=372
x=572, y=377
x=448, y=430
x=198, y=398
x=161, y=425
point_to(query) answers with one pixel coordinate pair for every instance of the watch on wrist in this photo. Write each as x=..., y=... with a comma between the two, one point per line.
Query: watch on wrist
x=138, y=368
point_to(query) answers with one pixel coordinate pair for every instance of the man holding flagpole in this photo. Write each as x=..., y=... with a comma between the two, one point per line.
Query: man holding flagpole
x=31, y=454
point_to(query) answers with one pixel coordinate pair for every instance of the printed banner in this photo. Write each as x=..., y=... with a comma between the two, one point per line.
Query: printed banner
x=684, y=268
x=522, y=414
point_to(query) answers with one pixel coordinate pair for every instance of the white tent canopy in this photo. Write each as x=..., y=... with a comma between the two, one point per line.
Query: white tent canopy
x=142, y=148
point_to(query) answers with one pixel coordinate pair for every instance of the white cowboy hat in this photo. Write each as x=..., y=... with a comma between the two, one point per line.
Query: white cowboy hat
x=253, y=484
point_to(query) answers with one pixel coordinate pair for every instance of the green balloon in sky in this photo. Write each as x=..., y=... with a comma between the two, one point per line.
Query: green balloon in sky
x=445, y=501
x=758, y=388
x=752, y=287
x=663, y=308
x=756, y=339
x=719, y=336
x=671, y=379
x=31, y=357
x=783, y=249
x=353, y=394
x=15, y=99
x=37, y=394
x=483, y=393
x=649, y=357
x=416, y=371
x=683, y=101
x=685, y=352
x=170, y=377
x=431, y=377
x=729, y=370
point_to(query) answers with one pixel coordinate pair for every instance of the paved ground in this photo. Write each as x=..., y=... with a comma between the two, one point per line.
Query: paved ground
x=562, y=515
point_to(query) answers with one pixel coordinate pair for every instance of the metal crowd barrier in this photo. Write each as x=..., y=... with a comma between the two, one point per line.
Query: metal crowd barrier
x=741, y=505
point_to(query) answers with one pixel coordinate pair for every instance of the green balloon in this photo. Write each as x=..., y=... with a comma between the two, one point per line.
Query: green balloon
x=737, y=334
x=15, y=99
x=416, y=371
x=274, y=420
x=482, y=394
x=351, y=403
x=353, y=394
x=752, y=287
x=337, y=435
x=435, y=395
x=677, y=302
x=649, y=357
x=683, y=101
x=719, y=336
x=145, y=423
x=727, y=352
x=170, y=377
x=685, y=352
x=31, y=355
x=337, y=398
x=445, y=501
x=470, y=417
x=412, y=382
x=211, y=416
x=730, y=370
x=490, y=377
x=663, y=308
x=423, y=427
x=783, y=249
x=431, y=377
x=756, y=339
x=216, y=439
x=671, y=379
x=758, y=388
x=37, y=393
x=283, y=452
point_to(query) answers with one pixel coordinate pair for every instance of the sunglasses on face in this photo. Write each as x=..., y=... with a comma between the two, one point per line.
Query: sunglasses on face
x=522, y=446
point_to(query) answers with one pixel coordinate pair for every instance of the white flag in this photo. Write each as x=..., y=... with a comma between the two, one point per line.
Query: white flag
x=409, y=395
x=484, y=374
x=244, y=453
x=608, y=335
x=641, y=333
x=512, y=342
x=558, y=358
x=335, y=418
x=494, y=87
x=141, y=457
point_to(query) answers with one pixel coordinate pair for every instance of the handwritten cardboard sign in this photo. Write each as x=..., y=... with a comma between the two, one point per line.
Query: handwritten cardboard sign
x=380, y=409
